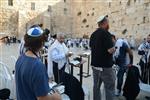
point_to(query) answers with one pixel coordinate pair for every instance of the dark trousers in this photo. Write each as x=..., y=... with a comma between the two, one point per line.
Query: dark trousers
x=145, y=72
x=58, y=73
x=120, y=74
x=4, y=94
x=131, y=97
x=131, y=87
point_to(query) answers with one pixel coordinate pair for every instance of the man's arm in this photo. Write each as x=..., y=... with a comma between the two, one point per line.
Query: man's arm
x=111, y=50
x=108, y=43
x=130, y=55
x=55, y=96
x=56, y=55
x=91, y=40
x=40, y=84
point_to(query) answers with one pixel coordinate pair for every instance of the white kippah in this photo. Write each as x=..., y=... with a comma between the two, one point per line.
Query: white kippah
x=101, y=18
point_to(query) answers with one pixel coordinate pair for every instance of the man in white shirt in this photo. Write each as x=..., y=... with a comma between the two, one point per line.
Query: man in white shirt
x=58, y=55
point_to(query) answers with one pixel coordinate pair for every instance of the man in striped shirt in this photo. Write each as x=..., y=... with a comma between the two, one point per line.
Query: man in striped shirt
x=144, y=51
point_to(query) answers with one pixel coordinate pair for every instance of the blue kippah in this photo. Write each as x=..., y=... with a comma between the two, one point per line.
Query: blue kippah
x=35, y=32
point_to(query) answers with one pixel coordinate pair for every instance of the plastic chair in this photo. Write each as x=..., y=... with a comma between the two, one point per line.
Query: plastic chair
x=145, y=88
x=86, y=92
x=7, y=79
x=65, y=97
x=14, y=59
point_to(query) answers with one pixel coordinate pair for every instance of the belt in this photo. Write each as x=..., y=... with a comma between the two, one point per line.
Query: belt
x=97, y=68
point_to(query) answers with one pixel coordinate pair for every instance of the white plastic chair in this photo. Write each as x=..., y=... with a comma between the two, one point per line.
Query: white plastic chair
x=7, y=79
x=65, y=97
x=14, y=59
x=13, y=62
x=145, y=88
x=86, y=92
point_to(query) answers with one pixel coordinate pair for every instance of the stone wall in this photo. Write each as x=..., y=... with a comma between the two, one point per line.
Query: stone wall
x=133, y=16
x=84, y=16
x=26, y=16
x=127, y=17
x=60, y=17
x=77, y=17
x=9, y=21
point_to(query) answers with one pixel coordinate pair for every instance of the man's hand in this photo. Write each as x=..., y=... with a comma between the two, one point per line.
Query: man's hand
x=51, y=79
x=129, y=65
x=69, y=54
x=111, y=50
x=56, y=96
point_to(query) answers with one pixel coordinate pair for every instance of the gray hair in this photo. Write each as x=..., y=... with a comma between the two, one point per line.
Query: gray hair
x=60, y=35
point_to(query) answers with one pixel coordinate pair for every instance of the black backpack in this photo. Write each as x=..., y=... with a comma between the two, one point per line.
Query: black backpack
x=4, y=94
x=131, y=88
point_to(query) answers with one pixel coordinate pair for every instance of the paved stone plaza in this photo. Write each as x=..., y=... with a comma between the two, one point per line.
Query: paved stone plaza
x=6, y=51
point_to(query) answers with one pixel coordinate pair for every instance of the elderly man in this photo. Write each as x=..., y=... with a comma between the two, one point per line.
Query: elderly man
x=102, y=49
x=58, y=55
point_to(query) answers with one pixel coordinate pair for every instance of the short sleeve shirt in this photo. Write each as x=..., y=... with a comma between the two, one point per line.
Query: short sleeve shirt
x=122, y=57
x=31, y=78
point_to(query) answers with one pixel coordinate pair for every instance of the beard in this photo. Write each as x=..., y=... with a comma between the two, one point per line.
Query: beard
x=107, y=27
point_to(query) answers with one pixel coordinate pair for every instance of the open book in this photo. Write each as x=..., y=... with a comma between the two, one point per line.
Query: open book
x=74, y=62
x=86, y=53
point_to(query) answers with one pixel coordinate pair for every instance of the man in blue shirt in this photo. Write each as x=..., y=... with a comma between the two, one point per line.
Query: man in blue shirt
x=124, y=58
x=31, y=76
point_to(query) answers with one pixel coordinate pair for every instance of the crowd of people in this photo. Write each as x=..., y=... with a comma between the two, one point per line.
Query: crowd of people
x=78, y=42
x=10, y=39
x=33, y=77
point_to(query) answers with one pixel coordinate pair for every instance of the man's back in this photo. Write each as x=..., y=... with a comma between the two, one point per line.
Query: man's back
x=100, y=42
x=31, y=78
x=122, y=58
